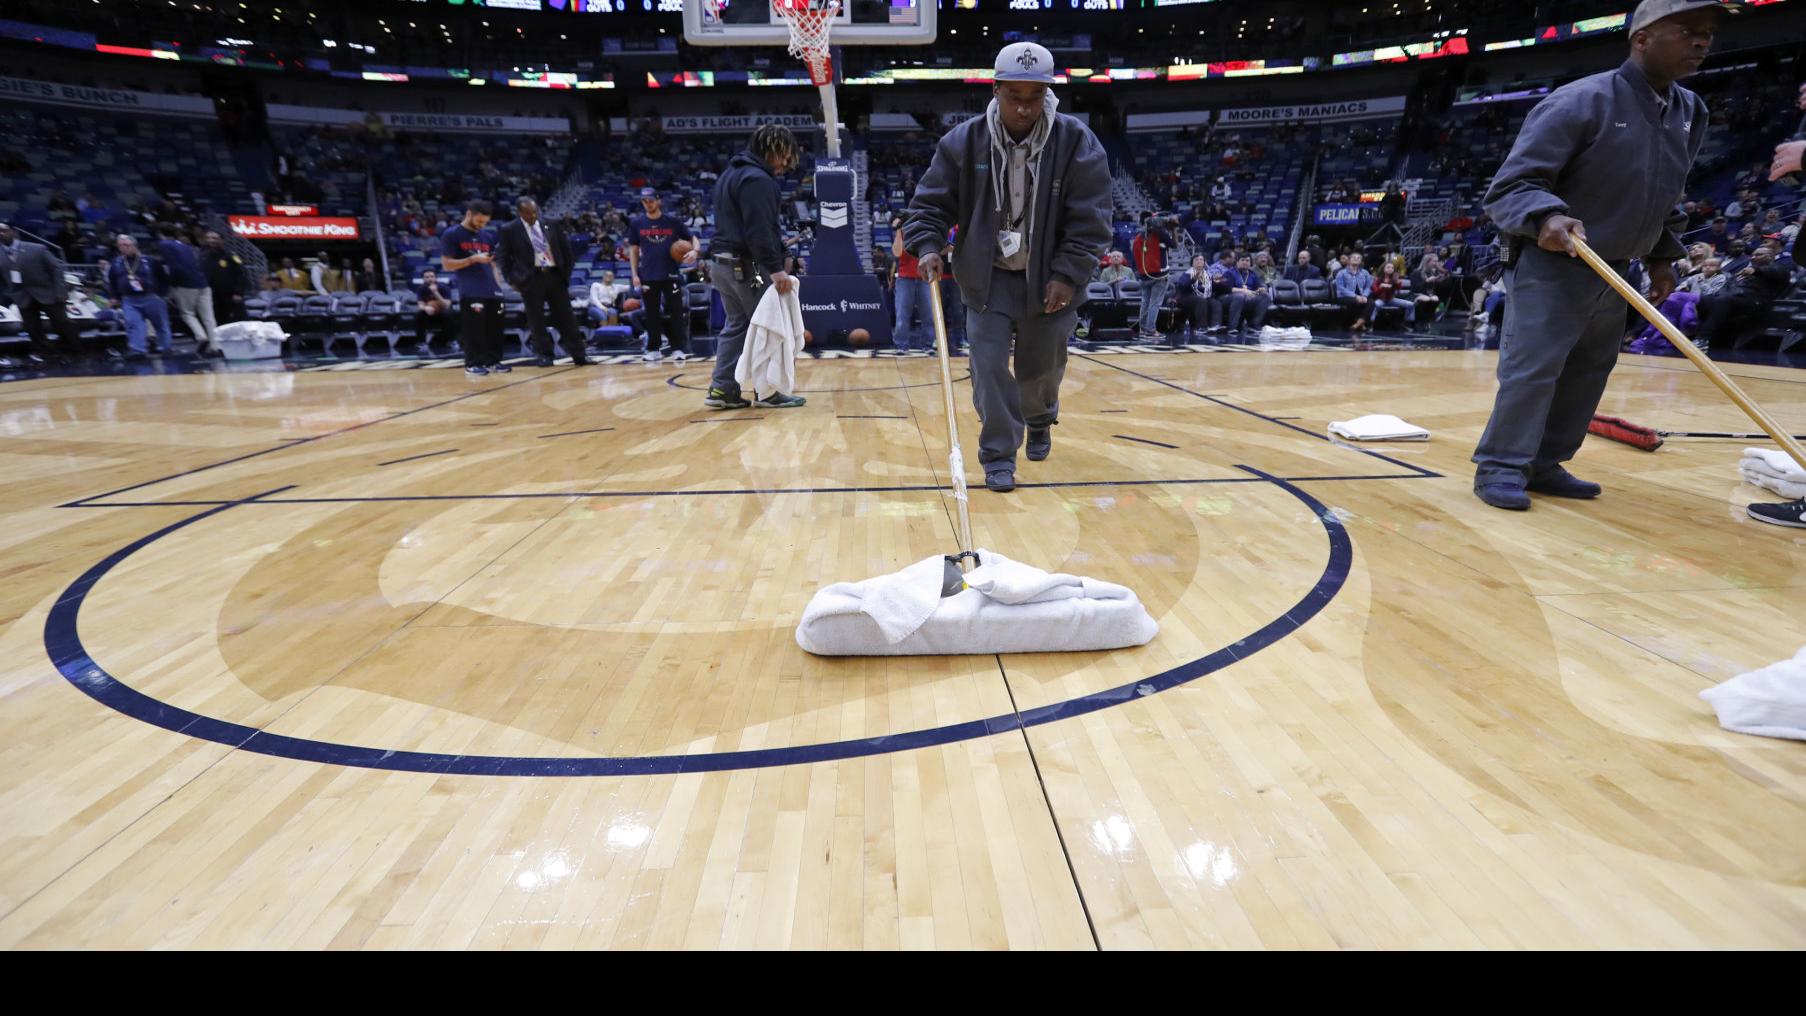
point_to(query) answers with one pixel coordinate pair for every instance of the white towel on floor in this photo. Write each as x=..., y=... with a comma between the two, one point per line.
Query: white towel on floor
x=1770, y=702
x=1007, y=607
x=1773, y=469
x=1292, y=339
x=1775, y=462
x=1378, y=427
x=1768, y=481
x=774, y=339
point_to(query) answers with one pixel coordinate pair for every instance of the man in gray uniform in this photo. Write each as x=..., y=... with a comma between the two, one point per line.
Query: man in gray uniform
x=1604, y=159
x=1029, y=190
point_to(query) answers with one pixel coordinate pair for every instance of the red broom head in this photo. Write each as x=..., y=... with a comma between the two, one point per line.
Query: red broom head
x=1626, y=432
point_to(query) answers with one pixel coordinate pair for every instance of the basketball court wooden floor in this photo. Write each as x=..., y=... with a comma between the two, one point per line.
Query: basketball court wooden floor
x=388, y=659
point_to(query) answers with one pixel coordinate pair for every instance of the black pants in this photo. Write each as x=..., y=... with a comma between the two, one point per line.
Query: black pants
x=1723, y=315
x=226, y=309
x=32, y=313
x=1353, y=310
x=443, y=323
x=546, y=296
x=667, y=313
x=480, y=321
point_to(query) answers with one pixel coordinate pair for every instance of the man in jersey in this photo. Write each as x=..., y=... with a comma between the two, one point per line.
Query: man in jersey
x=659, y=278
x=464, y=250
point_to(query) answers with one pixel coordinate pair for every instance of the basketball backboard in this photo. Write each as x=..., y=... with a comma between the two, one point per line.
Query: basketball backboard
x=859, y=23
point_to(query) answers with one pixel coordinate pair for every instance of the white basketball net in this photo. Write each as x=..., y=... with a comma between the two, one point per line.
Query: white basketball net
x=810, y=23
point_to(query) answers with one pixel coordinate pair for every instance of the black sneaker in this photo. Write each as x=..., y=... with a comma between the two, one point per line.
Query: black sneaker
x=1001, y=481
x=720, y=399
x=778, y=400
x=542, y=361
x=500, y=368
x=1558, y=482
x=476, y=371
x=1040, y=442
x=1790, y=513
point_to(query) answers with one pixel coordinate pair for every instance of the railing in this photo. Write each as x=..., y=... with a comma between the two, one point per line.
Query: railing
x=376, y=228
x=1306, y=190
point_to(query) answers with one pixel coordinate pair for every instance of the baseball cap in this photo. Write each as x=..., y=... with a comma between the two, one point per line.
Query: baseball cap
x=648, y=192
x=1651, y=11
x=1024, y=61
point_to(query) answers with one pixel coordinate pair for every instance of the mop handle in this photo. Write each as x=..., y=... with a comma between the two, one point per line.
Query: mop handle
x=946, y=357
x=1686, y=346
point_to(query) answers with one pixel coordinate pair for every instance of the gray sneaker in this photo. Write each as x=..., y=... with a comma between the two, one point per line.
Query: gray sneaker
x=778, y=400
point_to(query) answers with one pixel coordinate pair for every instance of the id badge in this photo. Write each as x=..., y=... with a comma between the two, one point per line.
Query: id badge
x=543, y=260
x=1009, y=242
x=137, y=284
x=18, y=277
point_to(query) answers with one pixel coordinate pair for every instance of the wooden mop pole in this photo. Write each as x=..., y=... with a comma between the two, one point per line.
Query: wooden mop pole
x=1692, y=352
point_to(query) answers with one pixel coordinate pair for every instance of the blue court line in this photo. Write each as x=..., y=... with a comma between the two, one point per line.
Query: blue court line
x=411, y=458
x=1112, y=410
x=294, y=442
x=569, y=433
x=62, y=640
x=1143, y=440
x=1260, y=416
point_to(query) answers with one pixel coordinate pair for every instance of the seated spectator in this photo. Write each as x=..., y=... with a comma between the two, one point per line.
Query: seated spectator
x=1302, y=269
x=1249, y=300
x=1116, y=271
x=1386, y=294
x=1354, y=291
x=1719, y=234
x=293, y=278
x=1745, y=302
x=1192, y=295
x=1266, y=269
x=605, y=295
x=433, y=310
x=1736, y=258
x=368, y=279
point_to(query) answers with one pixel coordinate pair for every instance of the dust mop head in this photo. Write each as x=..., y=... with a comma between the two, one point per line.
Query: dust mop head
x=1625, y=432
x=1006, y=607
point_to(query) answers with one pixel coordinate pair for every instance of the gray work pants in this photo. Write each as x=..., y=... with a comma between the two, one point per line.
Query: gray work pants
x=1007, y=404
x=1563, y=324
x=738, y=302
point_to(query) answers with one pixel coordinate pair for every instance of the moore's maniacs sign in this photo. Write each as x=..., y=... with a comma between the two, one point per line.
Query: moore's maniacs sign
x=283, y=227
x=1322, y=112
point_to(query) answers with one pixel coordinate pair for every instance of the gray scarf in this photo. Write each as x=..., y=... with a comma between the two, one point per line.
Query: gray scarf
x=1000, y=146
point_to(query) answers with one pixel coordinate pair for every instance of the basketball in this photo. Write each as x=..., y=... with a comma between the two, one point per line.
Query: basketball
x=681, y=249
x=859, y=337
x=630, y=304
x=808, y=337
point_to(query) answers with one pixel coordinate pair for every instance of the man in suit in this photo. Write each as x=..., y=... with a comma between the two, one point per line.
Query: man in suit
x=535, y=257
x=31, y=277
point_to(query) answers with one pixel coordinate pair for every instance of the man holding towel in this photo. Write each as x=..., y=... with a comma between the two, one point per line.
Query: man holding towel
x=1029, y=190
x=1605, y=160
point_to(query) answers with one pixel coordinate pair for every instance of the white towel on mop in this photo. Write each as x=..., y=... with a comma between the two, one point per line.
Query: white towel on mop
x=1770, y=702
x=768, y=363
x=1378, y=427
x=1007, y=607
x=1773, y=469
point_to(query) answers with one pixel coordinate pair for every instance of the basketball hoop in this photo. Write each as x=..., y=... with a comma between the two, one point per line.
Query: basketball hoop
x=811, y=22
